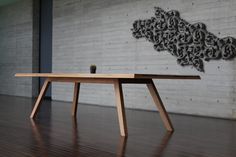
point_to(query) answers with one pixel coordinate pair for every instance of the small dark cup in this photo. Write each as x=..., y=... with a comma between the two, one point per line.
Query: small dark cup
x=93, y=69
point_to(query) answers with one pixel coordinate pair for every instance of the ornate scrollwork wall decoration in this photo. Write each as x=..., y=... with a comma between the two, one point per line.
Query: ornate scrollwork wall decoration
x=190, y=43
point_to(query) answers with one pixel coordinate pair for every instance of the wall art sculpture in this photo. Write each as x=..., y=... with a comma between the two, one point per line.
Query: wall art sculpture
x=190, y=43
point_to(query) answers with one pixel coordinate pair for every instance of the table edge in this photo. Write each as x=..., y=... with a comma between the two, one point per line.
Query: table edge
x=108, y=76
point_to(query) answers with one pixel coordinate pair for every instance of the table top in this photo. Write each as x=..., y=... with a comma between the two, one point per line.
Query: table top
x=106, y=76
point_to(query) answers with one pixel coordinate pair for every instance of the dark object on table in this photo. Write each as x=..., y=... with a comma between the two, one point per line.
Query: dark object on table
x=93, y=69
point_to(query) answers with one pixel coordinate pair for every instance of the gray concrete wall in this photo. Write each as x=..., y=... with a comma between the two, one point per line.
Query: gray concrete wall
x=98, y=32
x=18, y=47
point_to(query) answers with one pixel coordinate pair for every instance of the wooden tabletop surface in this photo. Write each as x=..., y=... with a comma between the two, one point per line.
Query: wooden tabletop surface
x=120, y=76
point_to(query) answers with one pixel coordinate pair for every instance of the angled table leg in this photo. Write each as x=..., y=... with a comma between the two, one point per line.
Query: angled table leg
x=122, y=146
x=161, y=108
x=39, y=99
x=75, y=99
x=120, y=108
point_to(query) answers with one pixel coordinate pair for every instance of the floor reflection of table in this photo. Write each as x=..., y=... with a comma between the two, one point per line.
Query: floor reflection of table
x=117, y=80
x=121, y=145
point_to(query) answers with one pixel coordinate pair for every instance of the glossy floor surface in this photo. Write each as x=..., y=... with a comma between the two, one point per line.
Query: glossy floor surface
x=95, y=133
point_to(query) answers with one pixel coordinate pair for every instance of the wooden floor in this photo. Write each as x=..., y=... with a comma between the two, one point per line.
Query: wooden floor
x=96, y=133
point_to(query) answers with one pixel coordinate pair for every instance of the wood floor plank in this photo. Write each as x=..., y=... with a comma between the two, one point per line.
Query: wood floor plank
x=95, y=133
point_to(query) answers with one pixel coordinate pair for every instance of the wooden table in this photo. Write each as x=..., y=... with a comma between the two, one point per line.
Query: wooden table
x=117, y=80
